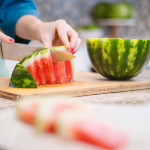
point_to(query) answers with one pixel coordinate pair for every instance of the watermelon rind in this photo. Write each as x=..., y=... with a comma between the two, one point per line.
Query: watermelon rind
x=121, y=10
x=42, y=51
x=118, y=59
x=21, y=78
x=100, y=10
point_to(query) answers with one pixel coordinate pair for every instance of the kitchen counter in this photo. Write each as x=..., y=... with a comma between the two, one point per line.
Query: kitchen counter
x=130, y=110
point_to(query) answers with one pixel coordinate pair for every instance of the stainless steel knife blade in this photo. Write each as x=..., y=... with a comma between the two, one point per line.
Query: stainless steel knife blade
x=18, y=51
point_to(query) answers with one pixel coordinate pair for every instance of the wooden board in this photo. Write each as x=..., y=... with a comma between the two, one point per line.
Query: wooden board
x=86, y=84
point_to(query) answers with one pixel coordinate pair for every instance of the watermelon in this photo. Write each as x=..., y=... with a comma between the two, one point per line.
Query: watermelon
x=43, y=70
x=27, y=108
x=117, y=10
x=21, y=78
x=69, y=120
x=121, y=10
x=100, y=10
x=118, y=59
x=47, y=114
x=82, y=126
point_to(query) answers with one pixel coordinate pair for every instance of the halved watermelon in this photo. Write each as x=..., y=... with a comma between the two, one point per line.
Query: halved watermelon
x=40, y=65
x=118, y=59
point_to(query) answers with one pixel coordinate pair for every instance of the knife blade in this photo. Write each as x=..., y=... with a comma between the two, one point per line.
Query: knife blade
x=18, y=51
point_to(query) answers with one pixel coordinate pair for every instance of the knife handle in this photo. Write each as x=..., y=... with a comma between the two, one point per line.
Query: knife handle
x=1, y=51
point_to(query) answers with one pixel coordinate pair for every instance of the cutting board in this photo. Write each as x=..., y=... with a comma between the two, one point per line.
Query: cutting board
x=86, y=83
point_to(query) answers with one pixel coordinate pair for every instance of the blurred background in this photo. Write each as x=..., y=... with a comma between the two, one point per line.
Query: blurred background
x=94, y=19
x=77, y=13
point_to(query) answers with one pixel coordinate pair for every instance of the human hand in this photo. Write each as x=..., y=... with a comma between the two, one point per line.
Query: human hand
x=58, y=33
x=5, y=38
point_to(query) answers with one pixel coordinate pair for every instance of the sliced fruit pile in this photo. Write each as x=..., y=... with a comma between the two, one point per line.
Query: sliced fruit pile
x=69, y=120
x=39, y=69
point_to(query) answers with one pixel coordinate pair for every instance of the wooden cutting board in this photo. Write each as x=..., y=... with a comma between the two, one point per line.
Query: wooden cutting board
x=86, y=83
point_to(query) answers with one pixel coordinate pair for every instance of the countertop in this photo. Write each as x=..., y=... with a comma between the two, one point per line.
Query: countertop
x=130, y=110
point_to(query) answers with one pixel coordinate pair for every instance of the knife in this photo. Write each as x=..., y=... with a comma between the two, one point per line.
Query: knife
x=18, y=51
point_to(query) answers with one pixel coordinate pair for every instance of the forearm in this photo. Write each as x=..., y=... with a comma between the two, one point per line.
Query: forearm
x=26, y=27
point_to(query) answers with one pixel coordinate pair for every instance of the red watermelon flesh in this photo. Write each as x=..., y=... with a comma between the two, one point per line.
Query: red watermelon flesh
x=99, y=134
x=85, y=127
x=47, y=115
x=60, y=72
x=49, y=70
x=29, y=113
x=32, y=70
x=44, y=71
x=69, y=71
x=27, y=109
x=38, y=64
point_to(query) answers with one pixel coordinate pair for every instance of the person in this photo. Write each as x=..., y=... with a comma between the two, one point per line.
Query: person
x=19, y=23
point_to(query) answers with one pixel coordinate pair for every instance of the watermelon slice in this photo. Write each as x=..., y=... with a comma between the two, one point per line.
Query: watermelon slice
x=60, y=72
x=21, y=78
x=47, y=114
x=27, y=108
x=69, y=120
x=40, y=65
x=41, y=68
x=85, y=127
x=63, y=70
x=69, y=71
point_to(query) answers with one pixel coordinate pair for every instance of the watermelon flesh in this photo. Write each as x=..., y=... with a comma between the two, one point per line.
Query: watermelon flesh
x=45, y=119
x=27, y=109
x=82, y=126
x=70, y=120
x=45, y=71
x=96, y=133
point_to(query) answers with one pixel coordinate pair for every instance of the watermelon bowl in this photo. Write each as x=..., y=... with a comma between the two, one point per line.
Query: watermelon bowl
x=118, y=59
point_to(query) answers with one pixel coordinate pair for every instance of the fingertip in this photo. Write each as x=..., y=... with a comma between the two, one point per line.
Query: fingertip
x=77, y=46
x=72, y=50
x=68, y=46
x=6, y=38
x=11, y=40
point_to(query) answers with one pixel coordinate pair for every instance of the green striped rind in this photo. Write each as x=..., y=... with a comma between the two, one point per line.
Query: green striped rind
x=21, y=78
x=41, y=51
x=118, y=59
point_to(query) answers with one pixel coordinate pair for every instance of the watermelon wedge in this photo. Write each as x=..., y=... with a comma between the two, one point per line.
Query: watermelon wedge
x=85, y=127
x=41, y=68
x=21, y=78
